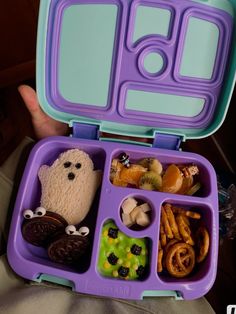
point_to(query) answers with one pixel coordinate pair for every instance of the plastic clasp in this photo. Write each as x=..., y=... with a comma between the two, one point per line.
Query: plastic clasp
x=167, y=141
x=85, y=131
x=48, y=279
x=162, y=293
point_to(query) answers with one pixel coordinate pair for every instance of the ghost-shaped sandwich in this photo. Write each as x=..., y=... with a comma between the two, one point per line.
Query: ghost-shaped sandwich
x=69, y=185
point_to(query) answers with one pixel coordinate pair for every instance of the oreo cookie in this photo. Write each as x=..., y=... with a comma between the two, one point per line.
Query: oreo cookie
x=68, y=249
x=39, y=231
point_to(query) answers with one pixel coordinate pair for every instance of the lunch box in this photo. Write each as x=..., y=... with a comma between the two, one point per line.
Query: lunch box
x=157, y=70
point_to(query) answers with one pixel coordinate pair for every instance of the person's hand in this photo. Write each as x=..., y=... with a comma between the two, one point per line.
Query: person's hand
x=44, y=126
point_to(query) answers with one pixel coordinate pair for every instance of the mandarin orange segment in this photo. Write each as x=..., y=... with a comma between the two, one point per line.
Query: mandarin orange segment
x=118, y=182
x=172, y=179
x=132, y=174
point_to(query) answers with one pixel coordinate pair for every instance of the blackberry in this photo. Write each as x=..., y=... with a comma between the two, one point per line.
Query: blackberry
x=136, y=250
x=113, y=233
x=123, y=271
x=112, y=259
x=140, y=271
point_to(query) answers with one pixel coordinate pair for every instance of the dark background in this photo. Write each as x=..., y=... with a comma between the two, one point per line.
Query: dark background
x=18, y=30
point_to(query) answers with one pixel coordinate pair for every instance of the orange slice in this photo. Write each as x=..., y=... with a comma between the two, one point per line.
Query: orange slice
x=118, y=182
x=132, y=174
x=172, y=179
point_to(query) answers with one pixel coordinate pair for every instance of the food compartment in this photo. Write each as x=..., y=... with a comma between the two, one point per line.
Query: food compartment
x=187, y=242
x=53, y=240
x=209, y=51
x=121, y=256
x=136, y=213
x=160, y=171
x=151, y=21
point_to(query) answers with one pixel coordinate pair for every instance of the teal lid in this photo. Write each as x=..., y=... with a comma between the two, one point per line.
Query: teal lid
x=135, y=68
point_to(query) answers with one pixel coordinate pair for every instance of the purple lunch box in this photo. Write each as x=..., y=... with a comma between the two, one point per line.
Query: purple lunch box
x=162, y=70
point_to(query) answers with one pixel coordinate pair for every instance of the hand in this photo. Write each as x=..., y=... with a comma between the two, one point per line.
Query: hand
x=44, y=126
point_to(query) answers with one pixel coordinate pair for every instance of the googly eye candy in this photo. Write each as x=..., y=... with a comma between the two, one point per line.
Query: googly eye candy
x=83, y=231
x=28, y=214
x=40, y=211
x=70, y=230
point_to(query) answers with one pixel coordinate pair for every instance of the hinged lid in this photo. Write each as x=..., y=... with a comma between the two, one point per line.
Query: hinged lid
x=137, y=67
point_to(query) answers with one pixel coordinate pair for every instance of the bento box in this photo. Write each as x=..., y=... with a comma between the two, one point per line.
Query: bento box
x=157, y=70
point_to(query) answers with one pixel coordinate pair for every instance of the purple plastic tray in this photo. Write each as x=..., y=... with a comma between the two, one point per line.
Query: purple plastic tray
x=127, y=71
x=31, y=262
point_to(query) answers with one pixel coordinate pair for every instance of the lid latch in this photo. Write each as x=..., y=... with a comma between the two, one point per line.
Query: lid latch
x=85, y=131
x=167, y=141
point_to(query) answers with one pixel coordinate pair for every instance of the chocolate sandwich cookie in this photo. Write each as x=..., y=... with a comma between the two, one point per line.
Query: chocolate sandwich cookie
x=68, y=249
x=39, y=230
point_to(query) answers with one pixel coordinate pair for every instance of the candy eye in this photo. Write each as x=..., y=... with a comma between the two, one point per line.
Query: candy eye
x=40, y=211
x=70, y=230
x=28, y=214
x=83, y=231
x=67, y=164
x=78, y=165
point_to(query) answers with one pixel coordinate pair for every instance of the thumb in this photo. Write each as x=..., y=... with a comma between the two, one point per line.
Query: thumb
x=30, y=99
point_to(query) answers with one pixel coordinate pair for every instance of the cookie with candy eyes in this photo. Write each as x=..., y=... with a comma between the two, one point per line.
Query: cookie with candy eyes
x=68, y=248
x=40, y=226
x=121, y=256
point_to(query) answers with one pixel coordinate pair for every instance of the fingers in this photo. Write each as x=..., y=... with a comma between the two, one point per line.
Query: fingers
x=30, y=99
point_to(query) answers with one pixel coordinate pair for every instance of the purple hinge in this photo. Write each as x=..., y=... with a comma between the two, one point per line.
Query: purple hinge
x=85, y=131
x=167, y=141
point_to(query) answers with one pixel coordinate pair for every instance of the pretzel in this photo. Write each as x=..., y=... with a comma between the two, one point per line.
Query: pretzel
x=186, y=220
x=163, y=235
x=180, y=260
x=172, y=222
x=169, y=245
x=203, y=242
x=192, y=215
x=188, y=213
x=159, y=263
x=166, y=250
x=166, y=224
x=177, y=251
x=184, y=229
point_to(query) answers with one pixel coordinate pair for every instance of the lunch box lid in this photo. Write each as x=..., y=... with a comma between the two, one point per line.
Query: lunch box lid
x=137, y=67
